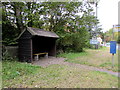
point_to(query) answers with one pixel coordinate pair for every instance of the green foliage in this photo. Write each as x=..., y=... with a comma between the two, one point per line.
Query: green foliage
x=59, y=17
x=73, y=42
x=9, y=32
x=5, y=55
x=109, y=35
x=118, y=40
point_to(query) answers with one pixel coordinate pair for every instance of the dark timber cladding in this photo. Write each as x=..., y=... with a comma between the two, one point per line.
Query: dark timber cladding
x=34, y=40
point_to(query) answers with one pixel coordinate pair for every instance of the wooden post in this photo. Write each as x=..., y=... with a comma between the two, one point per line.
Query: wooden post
x=46, y=55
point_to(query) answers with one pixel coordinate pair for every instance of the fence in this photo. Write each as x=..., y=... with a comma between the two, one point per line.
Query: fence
x=12, y=51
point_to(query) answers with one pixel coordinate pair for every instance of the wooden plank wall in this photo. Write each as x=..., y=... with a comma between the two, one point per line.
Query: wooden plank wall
x=25, y=47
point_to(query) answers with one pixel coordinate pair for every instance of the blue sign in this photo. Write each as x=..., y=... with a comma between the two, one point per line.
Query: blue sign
x=113, y=47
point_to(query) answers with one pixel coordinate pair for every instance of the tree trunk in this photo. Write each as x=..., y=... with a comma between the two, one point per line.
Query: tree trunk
x=18, y=16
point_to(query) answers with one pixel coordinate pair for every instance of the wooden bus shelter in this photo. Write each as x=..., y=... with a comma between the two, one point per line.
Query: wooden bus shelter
x=34, y=41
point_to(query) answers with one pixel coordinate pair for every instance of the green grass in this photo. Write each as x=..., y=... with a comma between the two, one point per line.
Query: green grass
x=72, y=55
x=54, y=76
x=13, y=69
x=93, y=57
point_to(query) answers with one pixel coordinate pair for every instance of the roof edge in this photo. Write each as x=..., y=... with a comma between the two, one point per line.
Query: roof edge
x=28, y=29
x=32, y=33
x=21, y=34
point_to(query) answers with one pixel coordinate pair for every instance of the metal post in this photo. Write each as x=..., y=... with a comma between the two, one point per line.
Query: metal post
x=96, y=9
x=113, y=60
x=113, y=32
x=96, y=46
x=96, y=3
x=113, y=53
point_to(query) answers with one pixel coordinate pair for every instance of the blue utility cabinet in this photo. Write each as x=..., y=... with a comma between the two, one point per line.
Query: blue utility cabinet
x=113, y=47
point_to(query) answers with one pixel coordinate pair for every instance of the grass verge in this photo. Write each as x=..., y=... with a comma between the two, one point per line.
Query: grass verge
x=54, y=76
x=93, y=57
x=13, y=69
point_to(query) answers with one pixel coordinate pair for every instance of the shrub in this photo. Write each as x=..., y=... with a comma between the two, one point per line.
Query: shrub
x=73, y=42
x=118, y=39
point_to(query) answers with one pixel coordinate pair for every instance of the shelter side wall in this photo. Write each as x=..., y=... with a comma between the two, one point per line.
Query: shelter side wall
x=25, y=50
x=25, y=47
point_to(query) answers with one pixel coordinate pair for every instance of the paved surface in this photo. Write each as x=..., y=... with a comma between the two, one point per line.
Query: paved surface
x=44, y=62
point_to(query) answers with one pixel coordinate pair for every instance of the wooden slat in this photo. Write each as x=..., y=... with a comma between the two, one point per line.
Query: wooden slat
x=40, y=53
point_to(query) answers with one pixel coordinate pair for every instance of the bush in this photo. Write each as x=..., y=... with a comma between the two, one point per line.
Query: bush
x=73, y=42
x=118, y=39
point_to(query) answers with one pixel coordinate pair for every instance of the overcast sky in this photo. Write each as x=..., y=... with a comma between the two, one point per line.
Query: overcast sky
x=108, y=13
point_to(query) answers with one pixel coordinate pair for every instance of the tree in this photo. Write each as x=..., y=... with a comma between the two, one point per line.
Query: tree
x=118, y=39
x=16, y=16
x=9, y=30
x=109, y=35
x=60, y=17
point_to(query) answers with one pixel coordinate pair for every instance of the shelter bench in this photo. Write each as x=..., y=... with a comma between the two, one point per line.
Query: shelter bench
x=37, y=55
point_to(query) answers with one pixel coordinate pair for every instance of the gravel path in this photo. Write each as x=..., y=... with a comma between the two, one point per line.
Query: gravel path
x=44, y=62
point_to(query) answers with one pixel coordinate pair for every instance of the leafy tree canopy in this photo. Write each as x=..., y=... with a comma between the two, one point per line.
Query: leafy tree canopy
x=72, y=21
